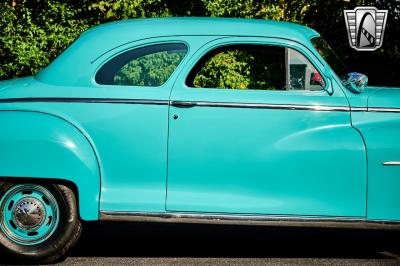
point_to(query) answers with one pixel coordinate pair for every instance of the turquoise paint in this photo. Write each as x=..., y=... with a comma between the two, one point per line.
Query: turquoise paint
x=6, y=83
x=129, y=140
x=38, y=145
x=262, y=161
x=384, y=97
x=361, y=100
x=120, y=161
x=233, y=161
x=381, y=132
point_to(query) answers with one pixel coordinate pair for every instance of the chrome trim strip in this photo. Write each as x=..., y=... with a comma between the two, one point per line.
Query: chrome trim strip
x=262, y=220
x=358, y=109
x=260, y=106
x=391, y=163
x=382, y=109
x=202, y=103
x=85, y=100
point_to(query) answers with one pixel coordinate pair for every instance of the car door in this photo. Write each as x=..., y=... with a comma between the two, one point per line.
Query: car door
x=253, y=130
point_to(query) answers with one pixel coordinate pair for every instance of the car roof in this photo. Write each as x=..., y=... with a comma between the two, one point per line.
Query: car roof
x=103, y=38
x=143, y=28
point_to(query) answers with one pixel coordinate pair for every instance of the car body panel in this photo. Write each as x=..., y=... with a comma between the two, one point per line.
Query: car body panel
x=207, y=144
x=358, y=100
x=374, y=97
x=377, y=116
x=39, y=145
x=380, y=127
x=381, y=132
x=246, y=160
x=131, y=149
x=128, y=128
x=6, y=83
x=150, y=164
x=384, y=98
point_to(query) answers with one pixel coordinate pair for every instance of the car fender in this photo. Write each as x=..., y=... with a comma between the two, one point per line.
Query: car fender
x=43, y=146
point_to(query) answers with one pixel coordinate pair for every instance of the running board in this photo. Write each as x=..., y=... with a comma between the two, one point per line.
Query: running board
x=284, y=221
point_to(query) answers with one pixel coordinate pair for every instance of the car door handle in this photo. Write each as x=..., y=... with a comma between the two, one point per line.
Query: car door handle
x=183, y=104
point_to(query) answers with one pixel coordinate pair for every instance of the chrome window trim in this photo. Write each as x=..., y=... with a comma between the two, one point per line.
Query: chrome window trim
x=238, y=219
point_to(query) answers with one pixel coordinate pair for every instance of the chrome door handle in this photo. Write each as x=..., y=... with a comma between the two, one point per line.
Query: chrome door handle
x=182, y=104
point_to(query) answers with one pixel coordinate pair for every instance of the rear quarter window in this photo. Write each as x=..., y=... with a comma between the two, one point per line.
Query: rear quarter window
x=149, y=66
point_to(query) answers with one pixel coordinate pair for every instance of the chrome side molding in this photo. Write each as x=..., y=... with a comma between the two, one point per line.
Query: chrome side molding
x=260, y=106
x=258, y=220
x=359, y=109
x=391, y=163
x=82, y=100
x=384, y=110
x=187, y=104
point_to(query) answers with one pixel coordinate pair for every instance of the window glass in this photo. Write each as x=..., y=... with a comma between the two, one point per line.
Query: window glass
x=146, y=66
x=330, y=57
x=241, y=67
x=302, y=74
x=256, y=67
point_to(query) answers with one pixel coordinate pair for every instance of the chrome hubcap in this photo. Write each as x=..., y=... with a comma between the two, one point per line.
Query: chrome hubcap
x=29, y=213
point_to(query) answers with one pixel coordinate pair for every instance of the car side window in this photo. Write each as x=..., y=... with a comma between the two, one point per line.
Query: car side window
x=146, y=66
x=302, y=74
x=256, y=67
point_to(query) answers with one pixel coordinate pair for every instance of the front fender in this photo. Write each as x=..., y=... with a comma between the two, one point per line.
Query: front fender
x=39, y=145
x=381, y=131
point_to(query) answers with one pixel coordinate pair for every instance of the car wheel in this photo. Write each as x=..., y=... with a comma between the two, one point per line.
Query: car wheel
x=38, y=223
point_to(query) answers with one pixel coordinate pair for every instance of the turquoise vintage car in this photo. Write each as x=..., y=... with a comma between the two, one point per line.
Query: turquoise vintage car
x=194, y=120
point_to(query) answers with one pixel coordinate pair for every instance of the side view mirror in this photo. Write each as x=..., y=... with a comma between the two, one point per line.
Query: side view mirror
x=355, y=82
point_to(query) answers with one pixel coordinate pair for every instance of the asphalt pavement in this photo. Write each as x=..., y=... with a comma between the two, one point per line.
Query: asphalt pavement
x=116, y=243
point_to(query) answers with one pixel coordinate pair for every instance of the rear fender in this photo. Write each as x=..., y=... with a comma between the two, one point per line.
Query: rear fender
x=35, y=145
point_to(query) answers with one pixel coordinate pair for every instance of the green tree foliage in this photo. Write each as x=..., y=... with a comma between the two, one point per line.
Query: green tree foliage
x=243, y=68
x=125, y=9
x=229, y=69
x=149, y=70
x=34, y=32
